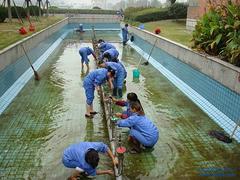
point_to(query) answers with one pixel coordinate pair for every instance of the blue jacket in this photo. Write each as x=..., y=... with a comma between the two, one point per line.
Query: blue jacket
x=143, y=125
x=106, y=46
x=76, y=152
x=113, y=53
x=86, y=51
x=119, y=69
x=96, y=77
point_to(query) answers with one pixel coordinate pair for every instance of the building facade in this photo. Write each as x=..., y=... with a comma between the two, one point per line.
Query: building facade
x=197, y=8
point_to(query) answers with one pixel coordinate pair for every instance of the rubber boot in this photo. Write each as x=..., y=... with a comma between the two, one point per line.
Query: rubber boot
x=114, y=92
x=120, y=94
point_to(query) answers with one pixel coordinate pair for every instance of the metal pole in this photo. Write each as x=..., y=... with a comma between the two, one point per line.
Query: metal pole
x=235, y=129
x=9, y=10
x=28, y=9
x=39, y=8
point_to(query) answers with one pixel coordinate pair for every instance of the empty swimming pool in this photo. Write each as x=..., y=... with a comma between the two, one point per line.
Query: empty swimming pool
x=47, y=116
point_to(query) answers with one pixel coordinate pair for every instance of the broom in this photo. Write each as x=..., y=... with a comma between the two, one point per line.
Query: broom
x=37, y=77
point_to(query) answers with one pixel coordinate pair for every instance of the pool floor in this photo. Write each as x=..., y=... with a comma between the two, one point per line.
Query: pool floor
x=47, y=116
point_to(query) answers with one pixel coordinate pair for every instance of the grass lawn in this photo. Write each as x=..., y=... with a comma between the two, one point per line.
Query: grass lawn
x=9, y=31
x=172, y=29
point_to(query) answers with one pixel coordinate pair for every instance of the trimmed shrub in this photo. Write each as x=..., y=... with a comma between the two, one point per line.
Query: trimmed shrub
x=153, y=14
x=176, y=11
x=3, y=14
x=81, y=11
x=20, y=10
x=34, y=11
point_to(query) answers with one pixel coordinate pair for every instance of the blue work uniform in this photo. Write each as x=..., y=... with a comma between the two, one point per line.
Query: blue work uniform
x=142, y=129
x=125, y=34
x=74, y=156
x=104, y=46
x=94, y=78
x=84, y=53
x=127, y=111
x=113, y=54
x=120, y=73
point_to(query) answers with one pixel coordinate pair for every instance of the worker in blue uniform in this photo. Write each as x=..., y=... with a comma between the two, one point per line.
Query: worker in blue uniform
x=110, y=55
x=94, y=80
x=125, y=34
x=120, y=75
x=143, y=133
x=84, y=158
x=84, y=53
x=131, y=97
x=104, y=46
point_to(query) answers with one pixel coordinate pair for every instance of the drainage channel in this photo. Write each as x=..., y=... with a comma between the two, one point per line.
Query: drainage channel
x=114, y=133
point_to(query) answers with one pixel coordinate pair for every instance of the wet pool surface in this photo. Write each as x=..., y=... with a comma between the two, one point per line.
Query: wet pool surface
x=47, y=116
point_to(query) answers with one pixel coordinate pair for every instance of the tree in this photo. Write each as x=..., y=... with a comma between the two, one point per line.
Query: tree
x=172, y=1
x=155, y=3
x=96, y=7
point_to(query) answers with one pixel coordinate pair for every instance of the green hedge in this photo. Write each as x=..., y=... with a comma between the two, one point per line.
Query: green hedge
x=153, y=14
x=3, y=14
x=176, y=11
x=20, y=10
x=80, y=11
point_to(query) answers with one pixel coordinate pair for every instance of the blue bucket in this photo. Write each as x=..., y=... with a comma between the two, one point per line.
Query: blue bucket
x=136, y=73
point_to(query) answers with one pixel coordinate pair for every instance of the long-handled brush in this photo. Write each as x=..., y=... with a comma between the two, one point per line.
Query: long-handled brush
x=37, y=77
x=147, y=62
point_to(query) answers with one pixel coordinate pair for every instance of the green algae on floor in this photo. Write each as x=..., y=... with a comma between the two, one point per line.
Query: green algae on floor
x=47, y=116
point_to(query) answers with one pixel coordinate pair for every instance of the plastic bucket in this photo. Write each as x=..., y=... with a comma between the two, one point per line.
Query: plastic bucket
x=136, y=73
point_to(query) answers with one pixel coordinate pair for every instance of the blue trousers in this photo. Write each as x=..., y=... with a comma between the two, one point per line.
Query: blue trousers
x=69, y=163
x=84, y=57
x=142, y=139
x=118, y=82
x=89, y=92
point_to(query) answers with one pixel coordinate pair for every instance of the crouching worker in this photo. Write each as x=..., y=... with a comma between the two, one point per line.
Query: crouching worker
x=131, y=98
x=84, y=53
x=84, y=158
x=143, y=133
x=94, y=80
x=120, y=75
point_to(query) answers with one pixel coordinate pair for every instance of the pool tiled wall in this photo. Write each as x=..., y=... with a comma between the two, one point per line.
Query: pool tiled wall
x=224, y=99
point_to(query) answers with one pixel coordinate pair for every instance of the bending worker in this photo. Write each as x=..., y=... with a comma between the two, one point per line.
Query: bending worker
x=120, y=75
x=84, y=53
x=111, y=55
x=84, y=158
x=94, y=80
x=104, y=46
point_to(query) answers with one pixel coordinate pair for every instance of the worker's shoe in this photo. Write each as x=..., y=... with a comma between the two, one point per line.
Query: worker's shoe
x=120, y=94
x=93, y=113
x=89, y=116
x=114, y=92
x=135, y=150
